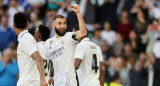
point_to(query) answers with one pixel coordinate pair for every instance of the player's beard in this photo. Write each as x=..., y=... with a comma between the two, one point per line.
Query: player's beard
x=59, y=33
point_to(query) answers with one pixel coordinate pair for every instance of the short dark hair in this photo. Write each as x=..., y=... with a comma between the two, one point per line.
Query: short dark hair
x=44, y=31
x=20, y=20
x=58, y=16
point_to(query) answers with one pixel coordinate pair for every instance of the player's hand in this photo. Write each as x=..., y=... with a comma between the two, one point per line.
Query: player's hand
x=44, y=83
x=51, y=81
x=75, y=8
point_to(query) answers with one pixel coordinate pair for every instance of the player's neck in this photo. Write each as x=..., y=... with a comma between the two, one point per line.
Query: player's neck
x=57, y=36
x=38, y=40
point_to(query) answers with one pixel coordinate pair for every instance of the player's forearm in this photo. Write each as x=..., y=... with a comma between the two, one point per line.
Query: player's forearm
x=101, y=77
x=82, y=25
x=40, y=66
x=51, y=74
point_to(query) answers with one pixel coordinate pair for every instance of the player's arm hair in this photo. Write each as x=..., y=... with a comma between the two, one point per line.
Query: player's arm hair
x=83, y=30
x=77, y=63
x=101, y=77
x=39, y=60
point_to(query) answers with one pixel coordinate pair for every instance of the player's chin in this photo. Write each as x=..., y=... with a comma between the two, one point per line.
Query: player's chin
x=63, y=33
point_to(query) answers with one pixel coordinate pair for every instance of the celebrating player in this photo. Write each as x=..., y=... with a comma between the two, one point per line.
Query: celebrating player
x=88, y=62
x=29, y=59
x=41, y=35
x=62, y=49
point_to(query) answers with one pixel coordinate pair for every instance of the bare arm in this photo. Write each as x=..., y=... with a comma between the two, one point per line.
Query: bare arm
x=83, y=31
x=101, y=77
x=51, y=81
x=36, y=56
x=77, y=63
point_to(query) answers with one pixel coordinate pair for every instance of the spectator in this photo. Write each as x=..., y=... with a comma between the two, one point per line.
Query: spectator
x=128, y=52
x=38, y=6
x=153, y=70
x=8, y=69
x=34, y=22
x=124, y=26
x=135, y=42
x=13, y=47
x=89, y=14
x=3, y=10
x=107, y=12
x=97, y=37
x=142, y=57
x=14, y=7
x=115, y=80
x=118, y=46
x=49, y=20
x=123, y=71
x=108, y=34
x=55, y=4
x=7, y=34
x=106, y=51
x=150, y=36
x=138, y=75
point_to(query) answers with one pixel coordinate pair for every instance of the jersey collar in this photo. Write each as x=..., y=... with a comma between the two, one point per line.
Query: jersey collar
x=21, y=34
x=85, y=39
x=41, y=42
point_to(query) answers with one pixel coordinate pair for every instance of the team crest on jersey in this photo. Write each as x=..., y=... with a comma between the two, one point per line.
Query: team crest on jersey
x=62, y=41
x=50, y=44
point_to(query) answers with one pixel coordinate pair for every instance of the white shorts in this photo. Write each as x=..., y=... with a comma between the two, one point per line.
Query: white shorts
x=65, y=82
x=34, y=83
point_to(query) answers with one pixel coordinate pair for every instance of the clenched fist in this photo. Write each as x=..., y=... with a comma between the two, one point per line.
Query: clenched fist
x=44, y=83
x=75, y=8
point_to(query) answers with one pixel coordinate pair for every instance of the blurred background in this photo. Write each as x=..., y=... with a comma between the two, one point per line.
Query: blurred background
x=128, y=32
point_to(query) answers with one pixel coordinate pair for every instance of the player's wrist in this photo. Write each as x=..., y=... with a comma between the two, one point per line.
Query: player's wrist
x=42, y=78
x=78, y=12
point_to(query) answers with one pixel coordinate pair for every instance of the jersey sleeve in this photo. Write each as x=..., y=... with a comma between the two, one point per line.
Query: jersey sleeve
x=100, y=54
x=80, y=51
x=29, y=45
x=73, y=37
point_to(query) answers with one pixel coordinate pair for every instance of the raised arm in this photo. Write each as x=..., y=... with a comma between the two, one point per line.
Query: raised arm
x=36, y=56
x=83, y=31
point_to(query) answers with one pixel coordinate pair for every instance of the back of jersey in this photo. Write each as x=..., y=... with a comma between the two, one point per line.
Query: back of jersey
x=89, y=70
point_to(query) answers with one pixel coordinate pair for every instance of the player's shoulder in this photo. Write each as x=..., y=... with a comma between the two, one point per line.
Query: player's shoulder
x=48, y=40
x=69, y=34
x=26, y=38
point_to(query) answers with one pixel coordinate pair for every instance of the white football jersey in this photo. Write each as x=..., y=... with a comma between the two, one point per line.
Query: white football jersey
x=28, y=70
x=45, y=55
x=62, y=52
x=89, y=70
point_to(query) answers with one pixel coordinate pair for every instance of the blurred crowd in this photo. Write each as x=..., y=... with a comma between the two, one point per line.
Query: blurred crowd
x=128, y=32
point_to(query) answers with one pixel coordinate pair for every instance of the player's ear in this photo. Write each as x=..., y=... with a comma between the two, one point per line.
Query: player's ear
x=53, y=24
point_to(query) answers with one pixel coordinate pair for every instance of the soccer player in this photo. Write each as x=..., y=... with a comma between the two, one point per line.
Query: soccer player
x=88, y=62
x=30, y=63
x=41, y=35
x=62, y=49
